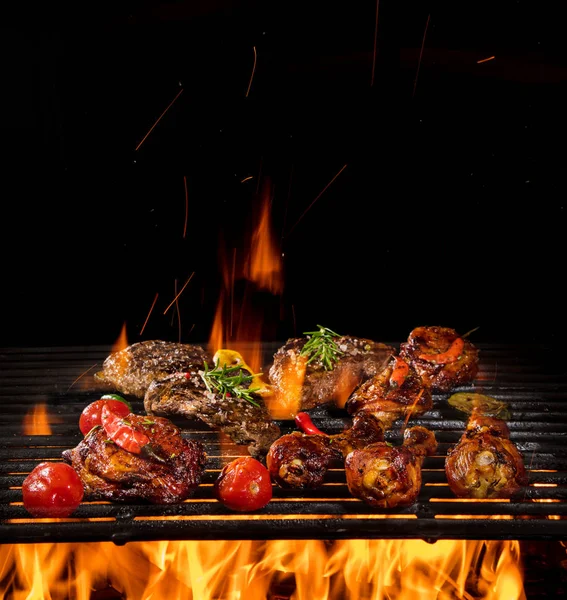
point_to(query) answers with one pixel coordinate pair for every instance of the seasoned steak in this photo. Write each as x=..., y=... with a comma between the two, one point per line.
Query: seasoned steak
x=186, y=394
x=131, y=370
x=167, y=470
x=358, y=360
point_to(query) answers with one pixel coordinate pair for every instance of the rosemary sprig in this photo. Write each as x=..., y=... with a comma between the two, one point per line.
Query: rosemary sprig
x=321, y=346
x=230, y=380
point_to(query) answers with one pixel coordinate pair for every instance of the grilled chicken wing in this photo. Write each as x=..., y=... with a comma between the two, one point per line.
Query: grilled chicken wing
x=441, y=357
x=314, y=382
x=485, y=463
x=395, y=392
x=299, y=460
x=387, y=476
x=132, y=369
x=187, y=395
x=167, y=470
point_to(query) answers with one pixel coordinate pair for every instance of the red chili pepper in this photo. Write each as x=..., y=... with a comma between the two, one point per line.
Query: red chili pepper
x=122, y=433
x=451, y=355
x=400, y=372
x=304, y=422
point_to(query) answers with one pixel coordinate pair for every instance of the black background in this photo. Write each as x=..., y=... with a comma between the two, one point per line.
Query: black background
x=450, y=210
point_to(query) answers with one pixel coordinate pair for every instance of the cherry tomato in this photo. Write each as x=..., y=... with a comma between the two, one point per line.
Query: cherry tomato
x=52, y=490
x=91, y=414
x=244, y=484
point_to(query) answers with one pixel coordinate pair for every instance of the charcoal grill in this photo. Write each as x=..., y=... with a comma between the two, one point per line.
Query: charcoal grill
x=530, y=378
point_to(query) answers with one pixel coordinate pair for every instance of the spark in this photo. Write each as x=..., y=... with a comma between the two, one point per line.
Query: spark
x=485, y=59
x=82, y=375
x=149, y=313
x=374, y=48
x=252, y=74
x=159, y=119
x=178, y=314
x=317, y=198
x=186, y=206
x=420, y=54
x=180, y=292
x=246, y=178
x=410, y=411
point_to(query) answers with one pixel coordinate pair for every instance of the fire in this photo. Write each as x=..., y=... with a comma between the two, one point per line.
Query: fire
x=37, y=421
x=298, y=569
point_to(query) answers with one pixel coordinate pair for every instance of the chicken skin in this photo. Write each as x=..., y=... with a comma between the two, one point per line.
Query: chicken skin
x=485, y=463
x=166, y=470
x=442, y=358
x=395, y=392
x=301, y=461
x=387, y=476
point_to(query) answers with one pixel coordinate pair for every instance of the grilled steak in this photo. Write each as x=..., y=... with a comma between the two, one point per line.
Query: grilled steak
x=187, y=395
x=167, y=471
x=358, y=360
x=132, y=369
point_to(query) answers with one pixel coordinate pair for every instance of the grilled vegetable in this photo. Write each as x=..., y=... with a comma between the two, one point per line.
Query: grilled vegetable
x=304, y=422
x=244, y=485
x=91, y=415
x=122, y=433
x=467, y=402
x=52, y=490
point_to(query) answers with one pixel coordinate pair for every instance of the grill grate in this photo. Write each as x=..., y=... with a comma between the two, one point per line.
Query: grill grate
x=532, y=380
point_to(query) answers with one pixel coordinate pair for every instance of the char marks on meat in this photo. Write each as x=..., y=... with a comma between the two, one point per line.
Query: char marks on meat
x=187, y=395
x=168, y=474
x=396, y=392
x=442, y=357
x=388, y=476
x=485, y=463
x=360, y=359
x=132, y=369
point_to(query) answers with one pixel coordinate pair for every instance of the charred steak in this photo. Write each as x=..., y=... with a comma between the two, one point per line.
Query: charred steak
x=244, y=421
x=320, y=382
x=132, y=369
x=167, y=471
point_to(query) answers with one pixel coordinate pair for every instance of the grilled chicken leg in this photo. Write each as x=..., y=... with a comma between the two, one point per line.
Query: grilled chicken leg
x=485, y=463
x=299, y=460
x=395, y=392
x=441, y=357
x=387, y=476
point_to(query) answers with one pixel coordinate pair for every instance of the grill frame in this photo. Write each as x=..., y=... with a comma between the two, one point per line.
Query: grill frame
x=531, y=378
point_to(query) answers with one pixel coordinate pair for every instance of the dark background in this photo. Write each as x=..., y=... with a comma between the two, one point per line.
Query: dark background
x=450, y=210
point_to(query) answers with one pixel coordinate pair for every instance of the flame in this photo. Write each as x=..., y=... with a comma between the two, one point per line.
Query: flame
x=37, y=421
x=121, y=341
x=238, y=324
x=298, y=569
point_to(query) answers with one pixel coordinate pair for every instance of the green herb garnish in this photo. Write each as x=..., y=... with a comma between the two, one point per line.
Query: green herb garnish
x=321, y=346
x=230, y=380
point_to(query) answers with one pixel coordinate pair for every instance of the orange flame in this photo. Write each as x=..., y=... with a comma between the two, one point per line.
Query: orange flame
x=237, y=323
x=36, y=422
x=308, y=569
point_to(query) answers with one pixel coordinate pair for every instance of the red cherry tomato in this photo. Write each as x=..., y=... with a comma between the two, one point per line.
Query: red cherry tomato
x=52, y=490
x=244, y=485
x=92, y=413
